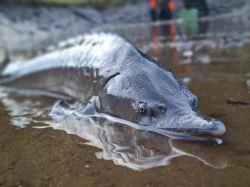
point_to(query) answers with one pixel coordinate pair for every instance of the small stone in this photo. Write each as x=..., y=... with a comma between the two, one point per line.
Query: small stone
x=185, y=61
x=12, y=164
x=47, y=178
x=188, y=53
x=186, y=80
x=203, y=59
x=248, y=82
x=87, y=166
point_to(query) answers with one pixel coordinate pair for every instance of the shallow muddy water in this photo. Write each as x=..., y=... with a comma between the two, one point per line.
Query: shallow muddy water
x=94, y=152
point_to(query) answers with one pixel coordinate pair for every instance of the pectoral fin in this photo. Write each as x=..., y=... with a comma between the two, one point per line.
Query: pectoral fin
x=89, y=109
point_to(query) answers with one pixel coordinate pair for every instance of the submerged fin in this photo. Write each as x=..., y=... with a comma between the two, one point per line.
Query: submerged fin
x=4, y=59
x=89, y=109
x=8, y=64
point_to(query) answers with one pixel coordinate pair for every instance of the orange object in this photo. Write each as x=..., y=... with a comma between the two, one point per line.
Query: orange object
x=153, y=3
x=171, y=5
x=172, y=32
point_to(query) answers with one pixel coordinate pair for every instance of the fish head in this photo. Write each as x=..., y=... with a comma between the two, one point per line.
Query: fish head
x=150, y=95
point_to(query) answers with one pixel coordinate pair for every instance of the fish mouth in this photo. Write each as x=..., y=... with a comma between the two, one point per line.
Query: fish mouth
x=215, y=128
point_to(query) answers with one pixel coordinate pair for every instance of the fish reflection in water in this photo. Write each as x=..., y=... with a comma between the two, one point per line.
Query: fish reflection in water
x=133, y=148
x=125, y=145
x=248, y=81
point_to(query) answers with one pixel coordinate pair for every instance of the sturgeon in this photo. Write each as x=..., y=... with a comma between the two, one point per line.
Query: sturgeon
x=117, y=78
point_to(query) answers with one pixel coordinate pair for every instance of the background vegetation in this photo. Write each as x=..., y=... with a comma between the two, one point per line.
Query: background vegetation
x=97, y=3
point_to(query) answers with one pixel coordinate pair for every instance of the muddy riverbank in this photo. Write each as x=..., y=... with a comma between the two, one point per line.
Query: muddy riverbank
x=49, y=157
x=214, y=66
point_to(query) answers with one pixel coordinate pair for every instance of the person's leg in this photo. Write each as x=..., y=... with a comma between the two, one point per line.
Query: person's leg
x=204, y=8
x=153, y=14
x=165, y=14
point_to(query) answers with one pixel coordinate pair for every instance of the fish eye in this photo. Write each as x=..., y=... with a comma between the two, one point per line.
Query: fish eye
x=142, y=108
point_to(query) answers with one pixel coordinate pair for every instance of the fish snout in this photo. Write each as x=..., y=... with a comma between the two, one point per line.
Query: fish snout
x=196, y=124
x=218, y=128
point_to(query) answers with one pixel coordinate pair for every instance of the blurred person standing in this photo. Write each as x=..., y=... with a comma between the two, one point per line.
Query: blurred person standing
x=153, y=10
x=190, y=14
x=199, y=5
x=166, y=9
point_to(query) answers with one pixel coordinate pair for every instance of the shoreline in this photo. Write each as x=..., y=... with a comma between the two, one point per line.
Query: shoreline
x=28, y=27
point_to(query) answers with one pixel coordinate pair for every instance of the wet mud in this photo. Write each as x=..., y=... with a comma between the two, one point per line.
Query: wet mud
x=51, y=157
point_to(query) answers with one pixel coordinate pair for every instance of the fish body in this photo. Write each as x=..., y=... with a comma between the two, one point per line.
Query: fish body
x=118, y=79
